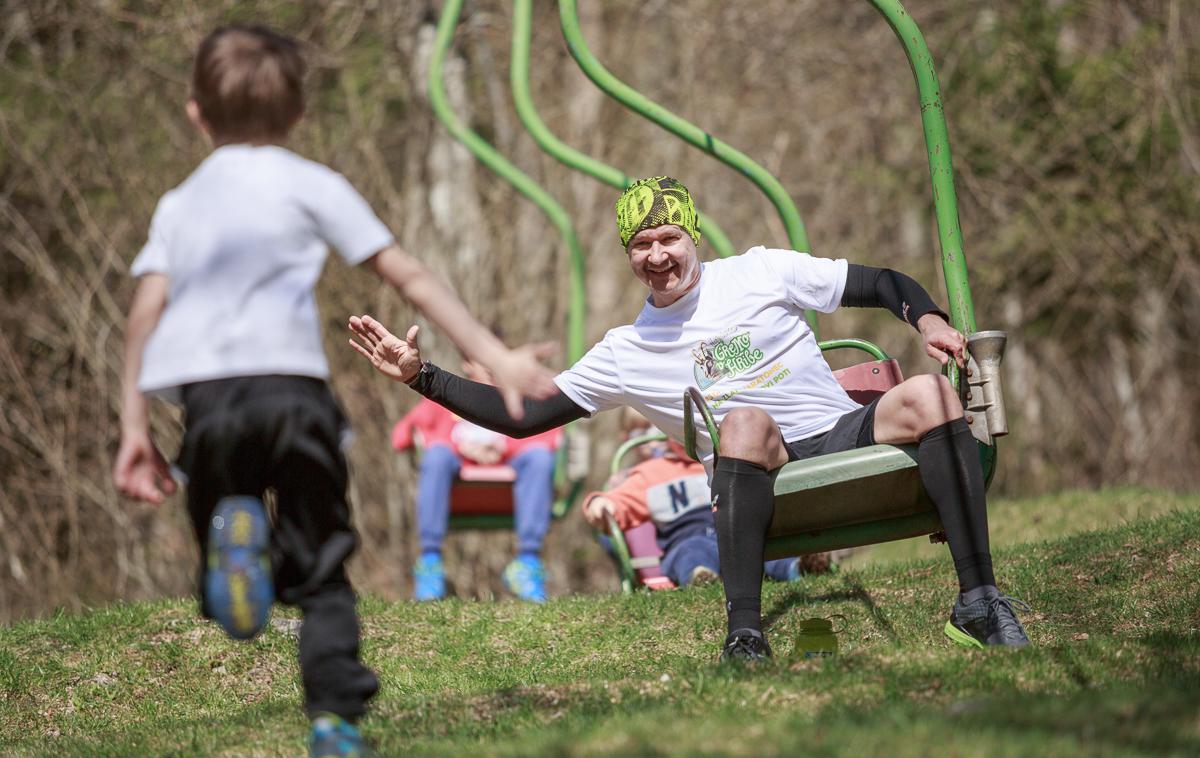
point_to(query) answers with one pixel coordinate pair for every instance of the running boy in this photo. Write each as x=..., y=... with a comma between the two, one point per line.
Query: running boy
x=224, y=322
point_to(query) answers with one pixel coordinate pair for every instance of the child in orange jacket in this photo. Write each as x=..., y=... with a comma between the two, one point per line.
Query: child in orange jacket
x=672, y=491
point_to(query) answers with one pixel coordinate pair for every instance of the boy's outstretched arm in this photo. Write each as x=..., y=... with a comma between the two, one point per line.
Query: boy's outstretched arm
x=517, y=372
x=140, y=470
x=400, y=359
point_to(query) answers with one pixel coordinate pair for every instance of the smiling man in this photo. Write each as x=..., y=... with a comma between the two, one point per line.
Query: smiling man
x=736, y=329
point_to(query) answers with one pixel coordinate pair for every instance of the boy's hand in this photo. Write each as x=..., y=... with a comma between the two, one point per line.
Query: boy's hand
x=597, y=510
x=395, y=358
x=519, y=373
x=141, y=472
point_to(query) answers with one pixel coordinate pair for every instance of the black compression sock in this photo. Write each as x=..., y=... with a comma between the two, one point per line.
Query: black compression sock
x=743, y=495
x=948, y=459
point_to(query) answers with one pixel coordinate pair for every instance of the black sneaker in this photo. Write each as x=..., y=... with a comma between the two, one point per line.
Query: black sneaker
x=987, y=620
x=745, y=645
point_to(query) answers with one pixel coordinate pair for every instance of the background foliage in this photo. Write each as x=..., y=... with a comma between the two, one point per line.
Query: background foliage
x=1076, y=131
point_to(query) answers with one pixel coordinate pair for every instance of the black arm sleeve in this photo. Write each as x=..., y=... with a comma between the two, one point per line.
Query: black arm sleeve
x=482, y=404
x=870, y=287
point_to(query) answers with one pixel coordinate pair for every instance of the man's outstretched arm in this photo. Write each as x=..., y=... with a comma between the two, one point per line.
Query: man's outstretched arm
x=870, y=287
x=400, y=360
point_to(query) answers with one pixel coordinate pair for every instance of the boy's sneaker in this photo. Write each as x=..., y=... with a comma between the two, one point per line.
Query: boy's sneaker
x=702, y=575
x=334, y=737
x=429, y=578
x=525, y=578
x=747, y=645
x=989, y=619
x=238, y=584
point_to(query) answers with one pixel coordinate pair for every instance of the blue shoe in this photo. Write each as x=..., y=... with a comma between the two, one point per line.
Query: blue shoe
x=429, y=578
x=794, y=572
x=238, y=584
x=525, y=578
x=334, y=737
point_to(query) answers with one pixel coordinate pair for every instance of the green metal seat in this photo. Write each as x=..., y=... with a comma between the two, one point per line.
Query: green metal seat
x=857, y=497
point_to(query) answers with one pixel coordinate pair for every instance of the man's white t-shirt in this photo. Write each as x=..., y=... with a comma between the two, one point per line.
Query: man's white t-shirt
x=243, y=241
x=739, y=336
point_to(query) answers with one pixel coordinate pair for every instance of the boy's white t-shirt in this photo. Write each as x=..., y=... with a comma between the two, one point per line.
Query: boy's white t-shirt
x=243, y=241
x=739, y=336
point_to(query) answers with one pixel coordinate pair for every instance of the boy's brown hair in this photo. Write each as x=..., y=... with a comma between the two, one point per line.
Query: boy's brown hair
x=248, y=82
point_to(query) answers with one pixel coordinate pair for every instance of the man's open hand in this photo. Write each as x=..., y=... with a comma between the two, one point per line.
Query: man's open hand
x=395, y=358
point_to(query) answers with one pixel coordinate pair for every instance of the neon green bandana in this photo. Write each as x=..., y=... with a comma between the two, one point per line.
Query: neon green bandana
x=652, y=202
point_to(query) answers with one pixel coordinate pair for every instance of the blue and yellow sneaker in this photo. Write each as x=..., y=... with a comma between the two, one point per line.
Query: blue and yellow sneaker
x=334, y=737
x=429, y=578
x=525, y=578
x=238, y=583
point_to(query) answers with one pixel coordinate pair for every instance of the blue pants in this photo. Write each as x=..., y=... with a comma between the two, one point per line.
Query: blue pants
x=533, y=492
x=699, y=548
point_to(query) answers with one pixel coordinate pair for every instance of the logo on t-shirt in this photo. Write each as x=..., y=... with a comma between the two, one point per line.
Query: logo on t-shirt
x=721, y=357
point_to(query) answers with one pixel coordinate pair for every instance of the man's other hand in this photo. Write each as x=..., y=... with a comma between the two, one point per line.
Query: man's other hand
x=942, y=341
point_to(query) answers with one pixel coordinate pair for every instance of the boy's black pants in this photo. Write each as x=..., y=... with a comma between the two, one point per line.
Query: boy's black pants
x=247, y=434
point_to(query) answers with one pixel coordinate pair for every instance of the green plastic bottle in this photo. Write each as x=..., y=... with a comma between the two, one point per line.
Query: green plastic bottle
x=817, y=638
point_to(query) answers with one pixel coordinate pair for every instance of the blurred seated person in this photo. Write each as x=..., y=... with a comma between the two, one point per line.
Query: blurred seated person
x=670, y=489
x=448, y=442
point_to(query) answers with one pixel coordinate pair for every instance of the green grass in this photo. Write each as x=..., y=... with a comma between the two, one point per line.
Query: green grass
x=1033, y=519
x=1114, y=668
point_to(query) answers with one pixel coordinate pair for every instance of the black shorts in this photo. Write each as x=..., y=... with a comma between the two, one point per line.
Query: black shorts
x=853, y=430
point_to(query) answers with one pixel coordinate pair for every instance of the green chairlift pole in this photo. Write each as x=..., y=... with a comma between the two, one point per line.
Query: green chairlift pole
x=635, y=101
x=499, y=164
x=941, y=174
x=522, y=30
x=941, y=170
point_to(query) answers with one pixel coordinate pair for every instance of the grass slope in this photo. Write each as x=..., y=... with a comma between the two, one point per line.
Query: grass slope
x=1114, y=670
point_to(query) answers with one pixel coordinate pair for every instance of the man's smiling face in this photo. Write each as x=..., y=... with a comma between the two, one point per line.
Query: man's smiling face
x=664, y=258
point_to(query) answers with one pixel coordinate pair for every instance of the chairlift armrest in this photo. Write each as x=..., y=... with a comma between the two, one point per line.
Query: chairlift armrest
x=692, y=397
x=855, y=344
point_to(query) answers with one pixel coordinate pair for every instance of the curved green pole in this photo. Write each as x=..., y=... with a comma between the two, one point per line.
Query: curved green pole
x=941, y=170
x=635, y=101
x=499, y=164
x=522, y=25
